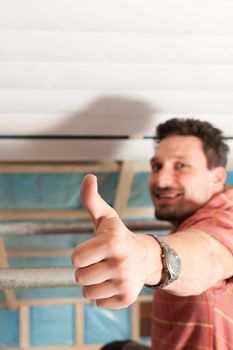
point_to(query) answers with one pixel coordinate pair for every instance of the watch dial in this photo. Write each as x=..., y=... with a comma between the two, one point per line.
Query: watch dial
x=174, y=264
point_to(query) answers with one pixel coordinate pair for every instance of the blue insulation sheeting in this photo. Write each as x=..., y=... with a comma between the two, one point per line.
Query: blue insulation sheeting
x=54, y=325
x=48, y=293
x=40, y=261
x=103, y=326
x=46, y=241
x=230, y=178
x=51, y=325
x=9, y=325
x=50, y=191
x=35, y=191
x=139, y=194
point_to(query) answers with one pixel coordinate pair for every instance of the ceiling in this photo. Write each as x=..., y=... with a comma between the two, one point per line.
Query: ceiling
x=92, y=79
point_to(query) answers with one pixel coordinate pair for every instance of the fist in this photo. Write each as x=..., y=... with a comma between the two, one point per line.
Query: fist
x=112, y=267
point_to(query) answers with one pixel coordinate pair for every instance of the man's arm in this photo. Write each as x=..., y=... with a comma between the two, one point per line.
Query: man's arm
x=205, y=261
x=113, y=267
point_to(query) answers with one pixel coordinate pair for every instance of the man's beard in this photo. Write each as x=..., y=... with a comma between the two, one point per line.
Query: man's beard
x=175, y=215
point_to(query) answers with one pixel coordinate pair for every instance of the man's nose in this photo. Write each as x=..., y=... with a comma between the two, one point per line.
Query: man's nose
x=165, y=178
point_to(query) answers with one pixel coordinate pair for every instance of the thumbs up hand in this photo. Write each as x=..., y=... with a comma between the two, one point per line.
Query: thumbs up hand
x=113, y=266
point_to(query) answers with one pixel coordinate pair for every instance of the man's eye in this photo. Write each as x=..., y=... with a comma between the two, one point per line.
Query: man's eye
x=156, y=167
x=181, y=166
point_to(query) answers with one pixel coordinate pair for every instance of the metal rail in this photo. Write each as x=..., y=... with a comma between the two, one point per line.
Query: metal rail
x=50, y=277
x=61, y=227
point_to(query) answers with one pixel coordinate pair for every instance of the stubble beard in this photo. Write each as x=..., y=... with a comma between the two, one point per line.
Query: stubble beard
x=175, y=215
x=166, y=214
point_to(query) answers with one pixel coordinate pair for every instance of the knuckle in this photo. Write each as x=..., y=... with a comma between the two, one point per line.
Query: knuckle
x=121, y=268
x=126, y=299
x=74, y=259
x=100, y=303
x=78, y=276
x=122, y=286
x=86, y=293
x=115, y=246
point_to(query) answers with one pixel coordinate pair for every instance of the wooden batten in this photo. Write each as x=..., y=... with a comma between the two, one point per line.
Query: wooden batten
x=24, y=336
x=9, y=294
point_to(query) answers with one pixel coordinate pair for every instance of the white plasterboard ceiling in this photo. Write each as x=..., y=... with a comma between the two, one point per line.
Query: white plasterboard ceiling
x=110, y=68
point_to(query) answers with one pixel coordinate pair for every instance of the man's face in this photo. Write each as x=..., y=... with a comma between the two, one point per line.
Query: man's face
x=180, y=182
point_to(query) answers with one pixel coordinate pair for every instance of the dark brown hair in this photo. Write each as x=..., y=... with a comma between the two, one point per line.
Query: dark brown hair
x=214, y=146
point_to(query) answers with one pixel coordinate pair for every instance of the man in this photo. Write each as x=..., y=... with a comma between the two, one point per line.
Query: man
x=192, y=307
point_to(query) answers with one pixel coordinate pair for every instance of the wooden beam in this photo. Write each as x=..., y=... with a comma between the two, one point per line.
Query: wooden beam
x=139, y=212
x=56, y=167
x=79, y=323
x=24, y=337
x=9, y=295
x=142, y=167
x=135, y=321
x=124, y=186
x=52, y=301
x=43, y=214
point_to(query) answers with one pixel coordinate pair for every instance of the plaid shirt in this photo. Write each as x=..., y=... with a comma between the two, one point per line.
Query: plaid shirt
x=205, y=321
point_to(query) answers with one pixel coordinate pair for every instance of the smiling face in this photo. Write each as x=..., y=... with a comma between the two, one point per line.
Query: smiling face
x=180, y=182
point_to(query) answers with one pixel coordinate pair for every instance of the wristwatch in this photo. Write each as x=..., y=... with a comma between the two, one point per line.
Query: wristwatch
x=171, y=264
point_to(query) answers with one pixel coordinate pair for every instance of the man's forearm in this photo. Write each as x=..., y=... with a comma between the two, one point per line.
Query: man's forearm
x=204, y=261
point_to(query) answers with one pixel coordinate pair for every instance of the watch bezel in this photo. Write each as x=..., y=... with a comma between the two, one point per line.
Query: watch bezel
x=167, y=273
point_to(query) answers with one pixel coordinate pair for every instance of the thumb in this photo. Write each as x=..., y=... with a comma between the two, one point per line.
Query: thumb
x=92, y=201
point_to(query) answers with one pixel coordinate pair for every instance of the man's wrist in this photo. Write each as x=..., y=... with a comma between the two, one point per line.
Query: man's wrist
x=154, y=262
x=170, y=261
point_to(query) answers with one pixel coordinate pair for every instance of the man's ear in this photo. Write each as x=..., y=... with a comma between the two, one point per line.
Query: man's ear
x=220, y=176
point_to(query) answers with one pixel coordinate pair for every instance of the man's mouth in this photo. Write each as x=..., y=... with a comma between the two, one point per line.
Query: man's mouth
x=167, y=195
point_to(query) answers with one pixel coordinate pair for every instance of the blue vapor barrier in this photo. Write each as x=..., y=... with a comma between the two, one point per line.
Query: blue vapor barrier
x=50, y=191
x=54, y=324
x=139, y=194
x=229, y=180
x=108, y=325
x=9, y=328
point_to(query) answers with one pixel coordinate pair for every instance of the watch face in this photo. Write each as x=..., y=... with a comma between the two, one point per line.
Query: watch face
x=173, y=264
